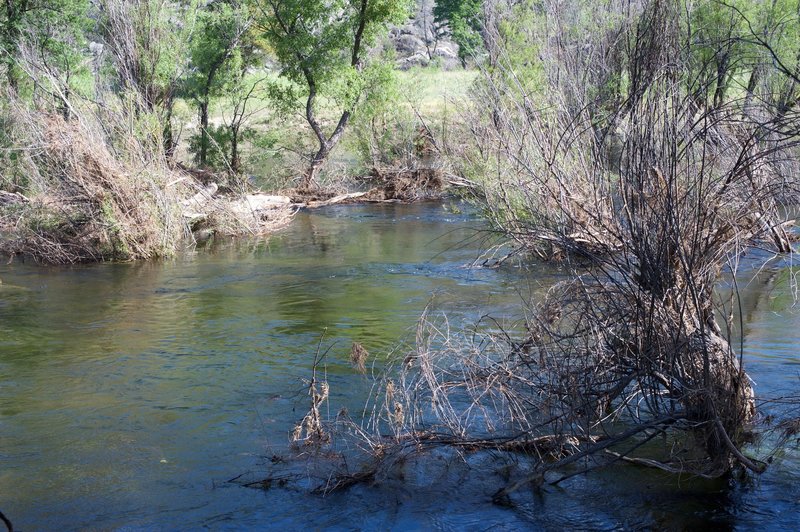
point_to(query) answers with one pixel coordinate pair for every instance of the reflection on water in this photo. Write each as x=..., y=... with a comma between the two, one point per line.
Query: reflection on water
x=130, y=393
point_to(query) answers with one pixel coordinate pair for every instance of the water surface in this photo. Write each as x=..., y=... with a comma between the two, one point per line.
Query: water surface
x=130, y=393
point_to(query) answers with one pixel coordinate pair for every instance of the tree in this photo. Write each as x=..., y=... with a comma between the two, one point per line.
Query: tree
x=216, y=60
x=465, y=22
x=13, y=19
x=53, y=30
x=323, y=49
x=716, y=53
x=242, y=92
x=240, y=89
x=772, y=34
x=149, y=41
x=646, y=239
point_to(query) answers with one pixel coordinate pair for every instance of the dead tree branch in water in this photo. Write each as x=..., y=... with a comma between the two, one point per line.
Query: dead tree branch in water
x=6, y=522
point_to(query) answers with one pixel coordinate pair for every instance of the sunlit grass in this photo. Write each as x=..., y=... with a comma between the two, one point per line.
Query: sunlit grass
x=432, y=90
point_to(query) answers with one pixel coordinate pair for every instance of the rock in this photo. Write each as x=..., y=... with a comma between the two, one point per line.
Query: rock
x=447, y=51
x=419, y=41
x=408, y=45
x=203, y=235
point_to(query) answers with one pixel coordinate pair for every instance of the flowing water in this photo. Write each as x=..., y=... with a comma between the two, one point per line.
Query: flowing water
x=131, y=393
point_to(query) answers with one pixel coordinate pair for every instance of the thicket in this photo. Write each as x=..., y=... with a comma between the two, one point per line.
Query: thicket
x=645, y=146
x=85, y=173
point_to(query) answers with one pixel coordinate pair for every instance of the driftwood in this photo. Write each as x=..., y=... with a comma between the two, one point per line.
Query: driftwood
x=260, y=202
x=202, y=197
x=199, y=206
x=257, y=203
x=12, y=198
x=334, y=200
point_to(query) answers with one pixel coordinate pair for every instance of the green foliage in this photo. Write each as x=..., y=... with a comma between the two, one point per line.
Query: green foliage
x=385, y=126
x=217, y=61
x=54, y=31
x=519, y=35
x=323, y=47
x=318, y=39
x=464, y=18
x=265, y=158
x=148, y=41
x=717, y=49
x=738, y=42
x=318, y=36
x=11, y=177
x=215, y=54
x=217, y=141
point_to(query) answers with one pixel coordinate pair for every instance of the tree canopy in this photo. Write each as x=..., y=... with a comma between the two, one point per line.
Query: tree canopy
x=323, y=48
x=463, y=17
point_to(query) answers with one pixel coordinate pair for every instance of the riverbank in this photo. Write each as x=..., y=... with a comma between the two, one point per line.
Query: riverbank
x=85, y=201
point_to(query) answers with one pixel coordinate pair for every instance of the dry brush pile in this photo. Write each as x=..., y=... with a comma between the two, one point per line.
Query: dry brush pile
x=88, y=201
x=96, y=188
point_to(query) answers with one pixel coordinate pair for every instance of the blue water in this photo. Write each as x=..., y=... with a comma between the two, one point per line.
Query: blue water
x=131, y=393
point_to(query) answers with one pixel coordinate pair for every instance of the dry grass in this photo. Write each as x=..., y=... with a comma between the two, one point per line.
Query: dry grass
x=97, y=192
x=358, y=357
x=90, y=204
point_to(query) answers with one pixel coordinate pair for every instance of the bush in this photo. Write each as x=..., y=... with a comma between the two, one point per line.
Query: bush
x=92, y=201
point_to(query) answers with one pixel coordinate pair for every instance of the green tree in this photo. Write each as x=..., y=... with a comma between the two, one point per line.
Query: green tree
x=243, y=90
x=216, y=61
x=53, y=30
x=323, y=48
x=465, y=22
x=149, y=40
x=771, y=34
x=717, y=54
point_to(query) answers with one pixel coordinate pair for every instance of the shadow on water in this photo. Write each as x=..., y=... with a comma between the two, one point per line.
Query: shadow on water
x=131, y=392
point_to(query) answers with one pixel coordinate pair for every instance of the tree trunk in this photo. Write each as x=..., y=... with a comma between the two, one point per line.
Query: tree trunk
x=719, y=397
x=169, y=137
x=203, y=154
x=326, y=144
x=11, y=38
x=755, y=77
x=722, y=81
x=66, y=112
x=787, y=97
x=235, y=164
x=316, y=164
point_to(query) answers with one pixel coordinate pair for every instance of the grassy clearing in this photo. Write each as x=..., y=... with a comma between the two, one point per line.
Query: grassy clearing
x=434, y=89
x=429, y=89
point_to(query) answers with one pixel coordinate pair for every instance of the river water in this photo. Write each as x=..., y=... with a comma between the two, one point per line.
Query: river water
x=131, y=393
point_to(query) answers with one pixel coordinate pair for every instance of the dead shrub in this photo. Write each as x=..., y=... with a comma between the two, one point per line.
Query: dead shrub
x=624, y=359
x=92, y=205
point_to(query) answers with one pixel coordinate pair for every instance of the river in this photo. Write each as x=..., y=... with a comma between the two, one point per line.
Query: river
x=131, y=393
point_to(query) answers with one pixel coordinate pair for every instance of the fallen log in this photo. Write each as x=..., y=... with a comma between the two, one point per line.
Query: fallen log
x=334, y=200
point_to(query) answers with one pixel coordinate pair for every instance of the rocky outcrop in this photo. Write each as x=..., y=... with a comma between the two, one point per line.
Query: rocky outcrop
x=421, y=42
